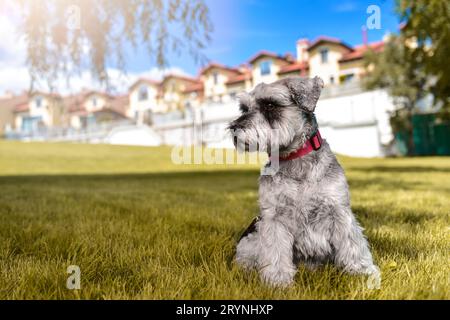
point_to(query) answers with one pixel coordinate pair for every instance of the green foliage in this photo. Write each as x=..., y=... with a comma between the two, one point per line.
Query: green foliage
x=427, y=22
x=141, y=227
x=415, y=64
x=396, y=69
x=60, y=44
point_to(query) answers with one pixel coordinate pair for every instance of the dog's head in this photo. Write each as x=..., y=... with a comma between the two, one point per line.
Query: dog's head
x=285, y=106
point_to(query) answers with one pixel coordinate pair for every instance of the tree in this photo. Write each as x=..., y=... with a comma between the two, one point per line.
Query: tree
x=398, y=70
x=64, y=37
x=427, y=22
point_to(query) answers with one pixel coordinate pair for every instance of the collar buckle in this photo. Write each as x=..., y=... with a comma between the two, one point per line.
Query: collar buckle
x=316, y=141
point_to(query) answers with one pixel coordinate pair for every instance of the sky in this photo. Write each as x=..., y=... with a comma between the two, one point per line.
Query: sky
x=244, y=27
x=241, y=29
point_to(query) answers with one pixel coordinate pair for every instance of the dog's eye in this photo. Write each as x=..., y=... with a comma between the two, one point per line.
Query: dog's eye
x=268, y=104
x=243, y=108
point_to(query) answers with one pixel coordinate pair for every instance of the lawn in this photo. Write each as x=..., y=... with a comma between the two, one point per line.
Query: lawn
x=141, y=227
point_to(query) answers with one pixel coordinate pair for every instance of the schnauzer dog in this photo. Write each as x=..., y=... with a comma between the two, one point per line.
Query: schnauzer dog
x=305, y=215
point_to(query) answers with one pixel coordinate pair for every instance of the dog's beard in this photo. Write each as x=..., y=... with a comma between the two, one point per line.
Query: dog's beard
x=251, y=140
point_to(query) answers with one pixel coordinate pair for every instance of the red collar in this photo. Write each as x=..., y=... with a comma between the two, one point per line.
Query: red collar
x=312, y=144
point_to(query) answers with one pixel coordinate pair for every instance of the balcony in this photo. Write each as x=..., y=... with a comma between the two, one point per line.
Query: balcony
x=344, y=89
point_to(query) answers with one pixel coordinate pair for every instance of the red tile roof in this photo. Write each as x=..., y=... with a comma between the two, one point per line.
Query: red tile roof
x=74, y=103
x=297, y=66
x=194, y=88
x=22, y=107
x=181, y=77
x=239, y=78
x=11, y=102
x=269, y=54
x=218, y=66
x=325, y=39
x=144, y=80
x=119, y=104
x=359, y=51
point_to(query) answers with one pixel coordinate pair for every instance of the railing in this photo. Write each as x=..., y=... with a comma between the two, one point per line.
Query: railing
x=92, y=132
x=345, y=89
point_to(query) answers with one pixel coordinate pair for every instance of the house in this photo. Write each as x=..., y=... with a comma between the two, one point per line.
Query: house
x=351, y=65
x=193, y=95
x=94, y=107
x=266, y=65
x=214, y=78
x=173, y=92
x=7, y=106
x=239, y=83
x=143, y=100
x=40, y=110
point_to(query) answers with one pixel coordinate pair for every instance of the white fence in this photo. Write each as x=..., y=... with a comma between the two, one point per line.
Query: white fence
x=356, y=124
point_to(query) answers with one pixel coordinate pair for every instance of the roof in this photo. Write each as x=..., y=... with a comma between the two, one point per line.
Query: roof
x=359, y=51
x=12, y=102
x=21, y=103
x=297, y=66
x=247, y=75
x=269, y=54
x=119, y=104
x=180, y=77
x=144, y=80
x=74, y=103
x=194, y=88
x=216, y=65
x=324, y=39
x=22, y=107
x=109, y=110
x=88, y=93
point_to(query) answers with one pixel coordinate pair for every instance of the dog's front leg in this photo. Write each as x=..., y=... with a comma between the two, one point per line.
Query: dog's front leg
x=275, y=258
x=352, y=251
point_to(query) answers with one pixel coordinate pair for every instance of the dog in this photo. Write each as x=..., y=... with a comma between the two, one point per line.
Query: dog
x=305, y=215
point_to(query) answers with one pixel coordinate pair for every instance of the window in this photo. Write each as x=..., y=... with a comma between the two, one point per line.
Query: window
x=38, y=102
x=324, y=55
x=348, y=78
x=233, y=95
x=332, y=80
x=265, y=67
x=216, y=77
x=143, y=93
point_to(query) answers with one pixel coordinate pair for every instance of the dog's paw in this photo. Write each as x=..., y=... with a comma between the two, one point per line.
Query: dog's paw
x=374, y=277
x=371, y=270
x=277, y=278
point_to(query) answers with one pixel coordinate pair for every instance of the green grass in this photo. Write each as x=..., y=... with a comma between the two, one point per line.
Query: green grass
x=141, y=227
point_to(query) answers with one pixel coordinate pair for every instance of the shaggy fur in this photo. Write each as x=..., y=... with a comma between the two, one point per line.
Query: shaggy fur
x=305, y=215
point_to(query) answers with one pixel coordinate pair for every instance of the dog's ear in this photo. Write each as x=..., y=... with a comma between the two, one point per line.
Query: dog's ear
x=305, y=92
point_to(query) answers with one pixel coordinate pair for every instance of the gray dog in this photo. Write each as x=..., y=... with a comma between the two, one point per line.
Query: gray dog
x=305, y=215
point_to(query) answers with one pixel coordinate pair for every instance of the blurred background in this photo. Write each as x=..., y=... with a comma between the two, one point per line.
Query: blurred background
x=155, y=72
